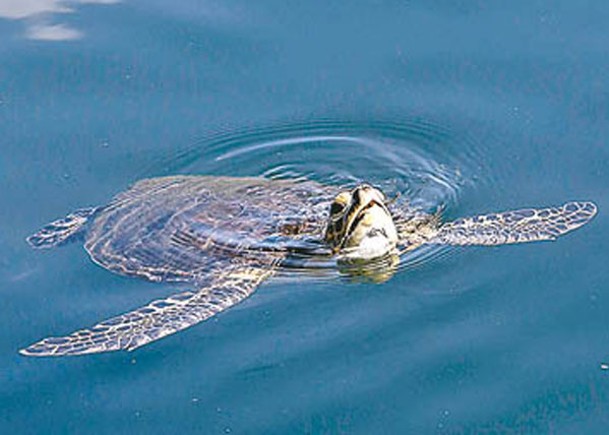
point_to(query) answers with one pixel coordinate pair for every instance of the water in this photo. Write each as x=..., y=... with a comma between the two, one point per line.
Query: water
x=476, y=107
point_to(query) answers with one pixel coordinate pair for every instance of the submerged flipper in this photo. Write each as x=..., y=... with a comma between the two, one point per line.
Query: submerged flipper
x=223, y=288
x=61, y=230
x=516, y=226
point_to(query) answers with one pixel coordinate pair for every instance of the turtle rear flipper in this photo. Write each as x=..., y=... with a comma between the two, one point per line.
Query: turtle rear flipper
x=516, y=226
x=61, y=230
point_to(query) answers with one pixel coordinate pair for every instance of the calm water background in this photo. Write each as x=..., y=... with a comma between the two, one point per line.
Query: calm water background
x=480, y=106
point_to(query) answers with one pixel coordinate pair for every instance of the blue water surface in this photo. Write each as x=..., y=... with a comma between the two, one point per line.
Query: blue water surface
x=473, y=106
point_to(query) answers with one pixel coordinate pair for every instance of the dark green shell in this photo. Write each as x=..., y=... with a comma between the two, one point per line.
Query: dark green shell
x=174, y=228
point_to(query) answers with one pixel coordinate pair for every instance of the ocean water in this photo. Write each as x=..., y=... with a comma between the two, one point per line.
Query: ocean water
x=471, y=106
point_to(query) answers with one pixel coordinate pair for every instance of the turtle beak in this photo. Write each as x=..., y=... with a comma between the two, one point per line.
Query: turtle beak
x=372, y=197
x=372, y=203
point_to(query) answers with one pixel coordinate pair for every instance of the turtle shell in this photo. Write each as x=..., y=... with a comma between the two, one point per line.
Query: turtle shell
x=175, y=228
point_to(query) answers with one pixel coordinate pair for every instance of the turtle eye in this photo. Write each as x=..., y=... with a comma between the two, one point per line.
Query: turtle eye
x=340, y=203
x=336, y=208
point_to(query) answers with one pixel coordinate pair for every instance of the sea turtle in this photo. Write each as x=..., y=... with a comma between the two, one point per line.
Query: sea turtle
x=224, y=236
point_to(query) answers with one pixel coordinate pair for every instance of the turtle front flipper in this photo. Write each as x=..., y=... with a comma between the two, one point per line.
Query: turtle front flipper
x=61, y=230
x=223, y=288
x=516, y=226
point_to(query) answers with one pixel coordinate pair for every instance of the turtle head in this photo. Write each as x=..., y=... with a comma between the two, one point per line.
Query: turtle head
x=360, y=225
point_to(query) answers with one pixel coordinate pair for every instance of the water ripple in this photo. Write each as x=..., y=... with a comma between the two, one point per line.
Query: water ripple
x=425, y=164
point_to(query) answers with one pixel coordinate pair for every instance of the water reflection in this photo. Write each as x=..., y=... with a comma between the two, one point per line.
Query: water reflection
x=39, y=16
